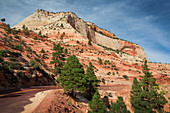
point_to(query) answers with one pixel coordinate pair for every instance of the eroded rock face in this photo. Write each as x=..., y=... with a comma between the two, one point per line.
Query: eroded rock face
x=49, y=22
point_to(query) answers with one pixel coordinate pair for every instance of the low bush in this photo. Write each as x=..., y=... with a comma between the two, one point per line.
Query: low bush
x=126, y=77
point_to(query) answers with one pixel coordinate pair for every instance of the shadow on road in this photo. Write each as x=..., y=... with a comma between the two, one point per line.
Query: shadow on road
x=2, y=92
x=12, y=95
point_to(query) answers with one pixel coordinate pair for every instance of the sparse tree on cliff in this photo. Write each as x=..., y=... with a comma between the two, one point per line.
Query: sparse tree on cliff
x=39, y=33
x=91, y=81
x=118, y=107
x=72, y=75
x=144, y=95
x=3, y=20
x=89, y=43
x=58, y=58
x=96, y=104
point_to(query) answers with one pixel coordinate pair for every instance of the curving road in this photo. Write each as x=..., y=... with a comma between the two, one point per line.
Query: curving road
x=14, y=100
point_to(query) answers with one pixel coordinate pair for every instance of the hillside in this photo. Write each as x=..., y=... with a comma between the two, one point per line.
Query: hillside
x=119, y=57
x=53, y=23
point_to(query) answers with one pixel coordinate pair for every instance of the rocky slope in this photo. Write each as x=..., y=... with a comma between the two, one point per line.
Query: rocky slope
x=55, y=28
x=50, y=23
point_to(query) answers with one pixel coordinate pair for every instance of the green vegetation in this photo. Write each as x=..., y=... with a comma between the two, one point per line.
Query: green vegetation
x=100, y=61
x=39, y=33
x=2, y=53
x=42, y=50
x=25, y=30
x=126, y=77
x=62, y=36
x=65, y=51
x=9, y=30
x=89, y=43
x=103, y=80
x=62, y=25
x=35, y=38
x=58, y=58
x=16, y=36
x=96, y=104
x=144, y=95
x=77, y=42
x=119, y=106
x=3, y=20
x=18, y=47
x=91, y=81
x=72, y=75
x=34, y=64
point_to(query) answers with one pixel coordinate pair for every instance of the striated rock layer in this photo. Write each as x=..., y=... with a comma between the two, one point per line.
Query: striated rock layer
x=49, y=22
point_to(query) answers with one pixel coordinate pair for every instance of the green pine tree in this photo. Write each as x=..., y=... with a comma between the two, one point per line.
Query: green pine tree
x=91, y=81
x=58, y=58
x=65, y=51
x=144, y=96
x=96, y=104
x=136, y=91
x=119, y=106
x=72, y=75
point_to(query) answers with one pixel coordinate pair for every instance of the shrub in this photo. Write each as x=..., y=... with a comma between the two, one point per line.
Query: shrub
x=18, y=47
x=103, y=80
x=13, y=65
x=89, y=43
x=116, y=68
x=35, y=38
x=108, y=73
x=1, y=53
x=126, y=77
x=16, y=36
x=100, y=61
x=113, y=73
x=77, y=42
x=29, y=49
x=34, y=64
x=110, y=94
x=37, y=59
x=42, y=51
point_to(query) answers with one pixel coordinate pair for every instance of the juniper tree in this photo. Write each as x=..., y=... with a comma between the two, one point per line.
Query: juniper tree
x=91, y=81
x=144, y=95
x=72, y=75
x=96, y=104
x=58, y=58
x=119, y=106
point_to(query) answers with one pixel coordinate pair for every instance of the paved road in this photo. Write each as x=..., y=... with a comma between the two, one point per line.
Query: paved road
x=14, y=100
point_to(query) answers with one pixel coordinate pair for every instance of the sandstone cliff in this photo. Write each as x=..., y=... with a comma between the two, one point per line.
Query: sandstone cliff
x=49, y=22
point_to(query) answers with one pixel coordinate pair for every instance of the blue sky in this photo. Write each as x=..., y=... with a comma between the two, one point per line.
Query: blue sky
x=145, y=22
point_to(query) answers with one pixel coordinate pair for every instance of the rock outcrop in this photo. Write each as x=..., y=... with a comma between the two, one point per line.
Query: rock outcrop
x=49, y=22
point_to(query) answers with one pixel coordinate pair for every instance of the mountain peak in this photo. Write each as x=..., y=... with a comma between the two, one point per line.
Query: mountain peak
x=51, y=23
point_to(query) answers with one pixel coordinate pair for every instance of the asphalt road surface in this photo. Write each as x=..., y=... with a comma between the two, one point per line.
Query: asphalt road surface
x=14, y=100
